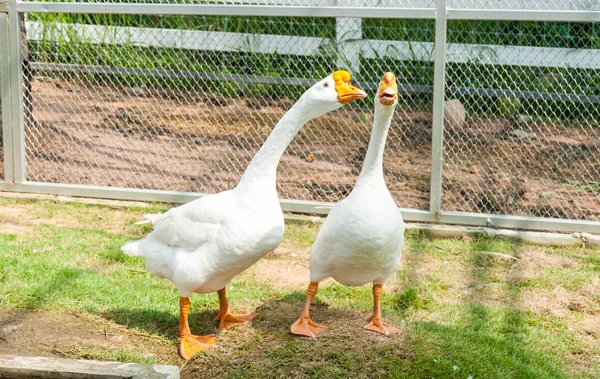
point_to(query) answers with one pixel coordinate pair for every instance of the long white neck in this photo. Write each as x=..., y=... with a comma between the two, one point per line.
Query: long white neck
x=263, y=167
x=373, y=165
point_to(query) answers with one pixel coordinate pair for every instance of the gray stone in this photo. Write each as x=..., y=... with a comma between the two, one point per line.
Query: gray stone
x=13, y=366
x=523, y=134
x=454, y=114
x=523, y=119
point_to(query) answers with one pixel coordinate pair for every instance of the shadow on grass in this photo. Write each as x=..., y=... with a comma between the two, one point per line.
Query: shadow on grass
x=485, y=341
x=161, y=322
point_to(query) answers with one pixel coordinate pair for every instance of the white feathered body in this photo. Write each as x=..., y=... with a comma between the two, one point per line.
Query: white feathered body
x=361, y=239
x=202, y=245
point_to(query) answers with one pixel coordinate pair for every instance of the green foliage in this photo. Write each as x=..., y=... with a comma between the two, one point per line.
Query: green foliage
x=66, y=47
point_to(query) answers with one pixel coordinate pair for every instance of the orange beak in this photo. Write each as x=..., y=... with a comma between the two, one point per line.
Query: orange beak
x=346, y=91
x=388, y=90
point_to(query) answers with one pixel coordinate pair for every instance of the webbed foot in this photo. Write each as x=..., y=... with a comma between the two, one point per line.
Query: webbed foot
x=304, y=326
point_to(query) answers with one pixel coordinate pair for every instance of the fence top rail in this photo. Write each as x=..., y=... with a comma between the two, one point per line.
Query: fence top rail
x=524, y=15
x=310, y=11
x=228, y=10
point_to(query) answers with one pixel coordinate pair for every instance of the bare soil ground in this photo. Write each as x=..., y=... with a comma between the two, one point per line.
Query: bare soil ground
x=194, y=141
x=68, y=334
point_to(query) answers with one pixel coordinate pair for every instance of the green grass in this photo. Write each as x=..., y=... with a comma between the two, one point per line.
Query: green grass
x=117, y=355
x=462, y=312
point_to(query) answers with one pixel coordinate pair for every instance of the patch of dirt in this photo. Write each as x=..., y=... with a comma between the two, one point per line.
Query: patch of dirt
x=283, y=269
x=557, y=302
x=345, y=335
x=531, y=259
x=15, y=219
x=23, y=218
x=589, y=325
x=580, y=308
x=89, y=133
x=64, y=334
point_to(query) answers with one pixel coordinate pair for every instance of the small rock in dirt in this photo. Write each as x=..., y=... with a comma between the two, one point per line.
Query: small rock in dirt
x=522, y=134
x=523, y=119
x=137, y=91
x=454, y=114
x=310, y=158
x=10, y=328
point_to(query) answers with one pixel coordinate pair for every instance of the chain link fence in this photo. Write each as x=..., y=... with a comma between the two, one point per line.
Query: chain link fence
x=530, y=144
x=182, y=103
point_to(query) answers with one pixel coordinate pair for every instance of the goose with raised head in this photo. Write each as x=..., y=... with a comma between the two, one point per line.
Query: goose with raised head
x=200, y=246
x=361, y=239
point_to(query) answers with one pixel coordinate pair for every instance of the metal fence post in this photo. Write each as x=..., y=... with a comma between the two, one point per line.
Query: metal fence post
x=17, y=124
x=347, y=31
x=439, y=86
x=5, y=102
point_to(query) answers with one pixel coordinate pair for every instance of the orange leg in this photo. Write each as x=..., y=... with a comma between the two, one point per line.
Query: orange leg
x=226, y=319
x=190, y=344
x=376, y=324
x=304, y=326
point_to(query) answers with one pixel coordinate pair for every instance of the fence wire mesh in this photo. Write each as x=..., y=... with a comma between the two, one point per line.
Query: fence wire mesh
x=531, y=141
x=183, y=102
x=121, y=107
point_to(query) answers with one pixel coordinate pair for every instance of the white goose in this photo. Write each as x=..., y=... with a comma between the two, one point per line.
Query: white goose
x=200, y=246
x=361, y=239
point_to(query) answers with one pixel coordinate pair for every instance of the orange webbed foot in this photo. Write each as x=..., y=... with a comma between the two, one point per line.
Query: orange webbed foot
x=304, y=326
x=231, y=320
x=380, y=326
x=191, y=345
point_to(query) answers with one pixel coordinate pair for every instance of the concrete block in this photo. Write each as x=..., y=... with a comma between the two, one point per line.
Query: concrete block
x=14, y=366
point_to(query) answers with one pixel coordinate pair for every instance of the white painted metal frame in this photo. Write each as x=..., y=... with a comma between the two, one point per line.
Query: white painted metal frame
x=437, y=128
x=5, y=102
x=304, y=206
x=310, y=11
x=441, y=13
x=227, y=10
x=16, y=122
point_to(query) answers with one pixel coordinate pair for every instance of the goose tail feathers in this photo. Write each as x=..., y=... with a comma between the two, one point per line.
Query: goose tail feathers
x=132, y=248
x=149, y=218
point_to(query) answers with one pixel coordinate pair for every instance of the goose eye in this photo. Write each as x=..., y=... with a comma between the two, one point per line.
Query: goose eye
x=325, y=84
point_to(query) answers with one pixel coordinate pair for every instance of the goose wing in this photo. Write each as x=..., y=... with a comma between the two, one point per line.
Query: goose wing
x=193, y=224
